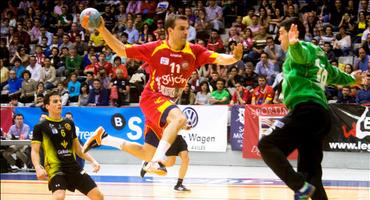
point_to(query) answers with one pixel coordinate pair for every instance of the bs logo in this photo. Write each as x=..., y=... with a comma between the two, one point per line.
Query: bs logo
x=118, y=121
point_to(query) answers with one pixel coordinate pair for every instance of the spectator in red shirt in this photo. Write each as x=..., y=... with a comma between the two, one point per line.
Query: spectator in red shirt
x=117, y=65
x=241, y=95
x=263, y=93
x=102, y=63
x=215, y=42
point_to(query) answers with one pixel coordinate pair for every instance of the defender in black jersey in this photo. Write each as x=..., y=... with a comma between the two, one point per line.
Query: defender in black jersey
x=57, y=137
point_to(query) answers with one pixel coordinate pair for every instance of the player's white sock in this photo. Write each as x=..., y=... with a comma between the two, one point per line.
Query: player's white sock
x=160, y=153
x=113, y=142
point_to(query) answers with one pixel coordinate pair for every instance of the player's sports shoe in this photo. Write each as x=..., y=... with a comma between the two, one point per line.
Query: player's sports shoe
x=155, y=168
x=181, y=188
x=95, y=139
x=308, y=192
x=142, y=171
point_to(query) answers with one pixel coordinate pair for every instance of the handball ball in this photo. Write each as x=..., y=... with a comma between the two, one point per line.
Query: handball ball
x=90, y=18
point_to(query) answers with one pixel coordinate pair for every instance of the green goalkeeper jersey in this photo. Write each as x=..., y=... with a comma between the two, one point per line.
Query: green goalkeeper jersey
x=306, y=72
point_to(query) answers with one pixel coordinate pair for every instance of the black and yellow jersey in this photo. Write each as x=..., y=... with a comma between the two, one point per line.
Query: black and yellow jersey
x=56, y=138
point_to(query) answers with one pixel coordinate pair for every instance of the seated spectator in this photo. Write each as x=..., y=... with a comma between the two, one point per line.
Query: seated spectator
x=74, y=88
x=274, y=51
x=266, y=68
x=363, y=95
x=329, y=52
x=35, y=69
x=366, y=44
x=63, y=92
x=103, y=64
x=251, y=77
x=73, y=62
x=83, y=99
x=18, y=67
x=366, y=32
x=22, y=55
x=92, y=67
x=255, y=27
x=348, y=68
x=98, y=96
x=120, y=89
x=39, y=95
x=117, y=65
x=247, y=40
x=48, y=75
x=220, y=95
x=329, y=35
x=4, y=73
x=231, y=81
x=214, y=78
x=80, y=45
x=214, y=15
x=241, y=95
x=342, y=43
x=344, y=96
x=247, y=20
x=28, y=88
x=215, y=42
x=97, y=41
x=263, y=93
x=14, y=85
x=202, y=97
x=187, y=97
x=66, y=42
x=57, y=62
x=362, y=62
x=39, y=54
x=133, y=34
x=202, y=26
x=18, y=131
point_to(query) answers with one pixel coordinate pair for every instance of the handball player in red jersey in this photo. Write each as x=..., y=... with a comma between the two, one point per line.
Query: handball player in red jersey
x=171, y=63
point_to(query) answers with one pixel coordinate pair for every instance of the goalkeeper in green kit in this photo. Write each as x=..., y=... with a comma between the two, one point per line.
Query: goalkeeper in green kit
x=306, y=72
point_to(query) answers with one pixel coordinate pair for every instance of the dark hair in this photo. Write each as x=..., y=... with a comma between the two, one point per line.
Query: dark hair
x=294, y=20
x=170, y=22
x=222, y=80
x=26, y=72
x=17, y=60
x=18, y=115
x=204, y=83
x=263, y=77
x=84, y=84
x=48, y=95
x=68, y=113
x=116, y=58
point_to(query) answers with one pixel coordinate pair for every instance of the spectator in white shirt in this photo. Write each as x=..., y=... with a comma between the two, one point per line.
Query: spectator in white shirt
x=35, y=69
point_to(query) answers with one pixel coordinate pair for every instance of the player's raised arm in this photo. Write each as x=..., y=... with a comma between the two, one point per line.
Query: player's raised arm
x=114, y=43
x=226, y=59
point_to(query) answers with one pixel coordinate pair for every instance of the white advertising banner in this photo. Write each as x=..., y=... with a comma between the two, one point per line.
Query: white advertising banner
x=209, y=128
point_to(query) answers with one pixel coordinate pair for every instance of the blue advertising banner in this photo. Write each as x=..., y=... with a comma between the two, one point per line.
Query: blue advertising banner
x=126, y=123
x=237, y=127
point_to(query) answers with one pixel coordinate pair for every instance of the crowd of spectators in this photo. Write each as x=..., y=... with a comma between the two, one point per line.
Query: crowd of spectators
x=43, y=47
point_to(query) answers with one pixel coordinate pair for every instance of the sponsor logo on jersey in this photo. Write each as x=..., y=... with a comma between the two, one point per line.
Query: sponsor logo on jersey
x=164, y=61
x=67, y=126
x=176, y=55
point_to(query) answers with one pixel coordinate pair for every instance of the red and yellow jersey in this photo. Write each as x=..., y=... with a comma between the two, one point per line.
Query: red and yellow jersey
x=170, y=69
x=260, y=95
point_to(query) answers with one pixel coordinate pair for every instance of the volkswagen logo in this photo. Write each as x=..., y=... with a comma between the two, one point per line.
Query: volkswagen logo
x=192, y=116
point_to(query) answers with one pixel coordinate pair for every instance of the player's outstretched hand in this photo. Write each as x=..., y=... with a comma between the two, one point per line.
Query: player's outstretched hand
x=96, y=166
x=238, y=51
x=41, y=173
x=293, y=34
x=84, y=23
x=359, y=76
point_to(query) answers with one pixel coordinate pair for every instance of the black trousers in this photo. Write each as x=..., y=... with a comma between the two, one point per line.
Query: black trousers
x=304, y=128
